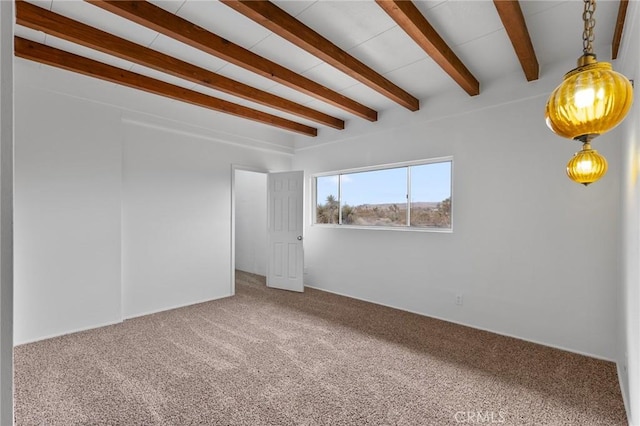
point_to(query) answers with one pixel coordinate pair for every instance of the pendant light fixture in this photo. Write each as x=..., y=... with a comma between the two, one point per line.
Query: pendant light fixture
x=591, y=100
x=586, y=166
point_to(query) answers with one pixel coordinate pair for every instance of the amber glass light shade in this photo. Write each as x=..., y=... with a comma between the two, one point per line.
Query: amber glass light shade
x=591, y=100
x=586, y=166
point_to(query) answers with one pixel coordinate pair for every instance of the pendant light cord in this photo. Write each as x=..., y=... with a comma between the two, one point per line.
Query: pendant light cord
x=589, y=24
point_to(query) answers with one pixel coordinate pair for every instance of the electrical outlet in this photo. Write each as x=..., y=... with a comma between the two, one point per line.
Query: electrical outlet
x=459, y=299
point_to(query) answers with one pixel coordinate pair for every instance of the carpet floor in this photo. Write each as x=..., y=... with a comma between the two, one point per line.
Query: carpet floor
x=270, y=357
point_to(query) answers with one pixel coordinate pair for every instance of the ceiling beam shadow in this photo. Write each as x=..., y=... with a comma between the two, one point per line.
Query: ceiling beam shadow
x=157, y=19
x=58, y=58
x=409, y=18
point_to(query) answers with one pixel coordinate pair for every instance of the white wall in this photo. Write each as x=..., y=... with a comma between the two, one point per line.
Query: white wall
x=68, y=159
x=251, y=221
x=176, y=217
x=6, y=212
x=118, y=212
x=629, y=346
x=534, y=254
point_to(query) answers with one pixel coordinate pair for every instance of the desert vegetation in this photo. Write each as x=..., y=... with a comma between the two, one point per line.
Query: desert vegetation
x=423, y=214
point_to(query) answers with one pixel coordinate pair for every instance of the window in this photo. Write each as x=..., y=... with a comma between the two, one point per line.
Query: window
x=327, y=190
x=415, y=195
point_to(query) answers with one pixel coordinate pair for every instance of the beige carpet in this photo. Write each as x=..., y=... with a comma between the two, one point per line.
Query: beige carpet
x=269, y=357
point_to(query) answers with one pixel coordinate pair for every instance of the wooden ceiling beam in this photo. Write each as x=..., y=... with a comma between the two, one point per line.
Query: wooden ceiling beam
x=62, y=27
x=58, y=58
x=513, y=20
x=617, y=34
x=286, y=26
x=157, y=19
x=409, y=18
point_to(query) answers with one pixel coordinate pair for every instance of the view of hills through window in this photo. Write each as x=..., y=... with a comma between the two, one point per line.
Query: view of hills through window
x=417, y=196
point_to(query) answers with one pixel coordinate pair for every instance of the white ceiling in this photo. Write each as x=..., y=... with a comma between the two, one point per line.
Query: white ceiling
x=471, y=28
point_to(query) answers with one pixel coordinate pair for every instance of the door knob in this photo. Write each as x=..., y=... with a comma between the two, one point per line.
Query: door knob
x=299, y=237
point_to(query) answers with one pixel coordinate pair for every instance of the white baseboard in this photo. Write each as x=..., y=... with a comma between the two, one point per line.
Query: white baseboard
x=64, y=333
x=170, y=308
x=623, y=391
x=465, y=324
x=91, y=327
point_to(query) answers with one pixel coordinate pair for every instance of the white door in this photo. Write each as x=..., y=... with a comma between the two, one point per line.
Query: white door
x=285, y=264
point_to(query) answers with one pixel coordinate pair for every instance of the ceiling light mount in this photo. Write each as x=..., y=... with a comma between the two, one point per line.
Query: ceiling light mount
x=591, y=100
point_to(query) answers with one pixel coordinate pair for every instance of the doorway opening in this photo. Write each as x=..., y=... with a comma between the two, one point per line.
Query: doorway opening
x=248, y=222
x=267, y=226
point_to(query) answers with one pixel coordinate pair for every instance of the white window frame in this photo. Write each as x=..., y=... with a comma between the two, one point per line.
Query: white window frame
x=405, y=228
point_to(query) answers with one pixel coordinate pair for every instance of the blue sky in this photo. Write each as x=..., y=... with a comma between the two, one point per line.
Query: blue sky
x=429, y=182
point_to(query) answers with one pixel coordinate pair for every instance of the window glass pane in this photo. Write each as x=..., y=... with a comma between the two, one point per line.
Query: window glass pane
x=327, y=203
x=375, y=198
x=431, y=195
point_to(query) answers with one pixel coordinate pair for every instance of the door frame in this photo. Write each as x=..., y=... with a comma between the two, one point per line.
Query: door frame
x=234, y=167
